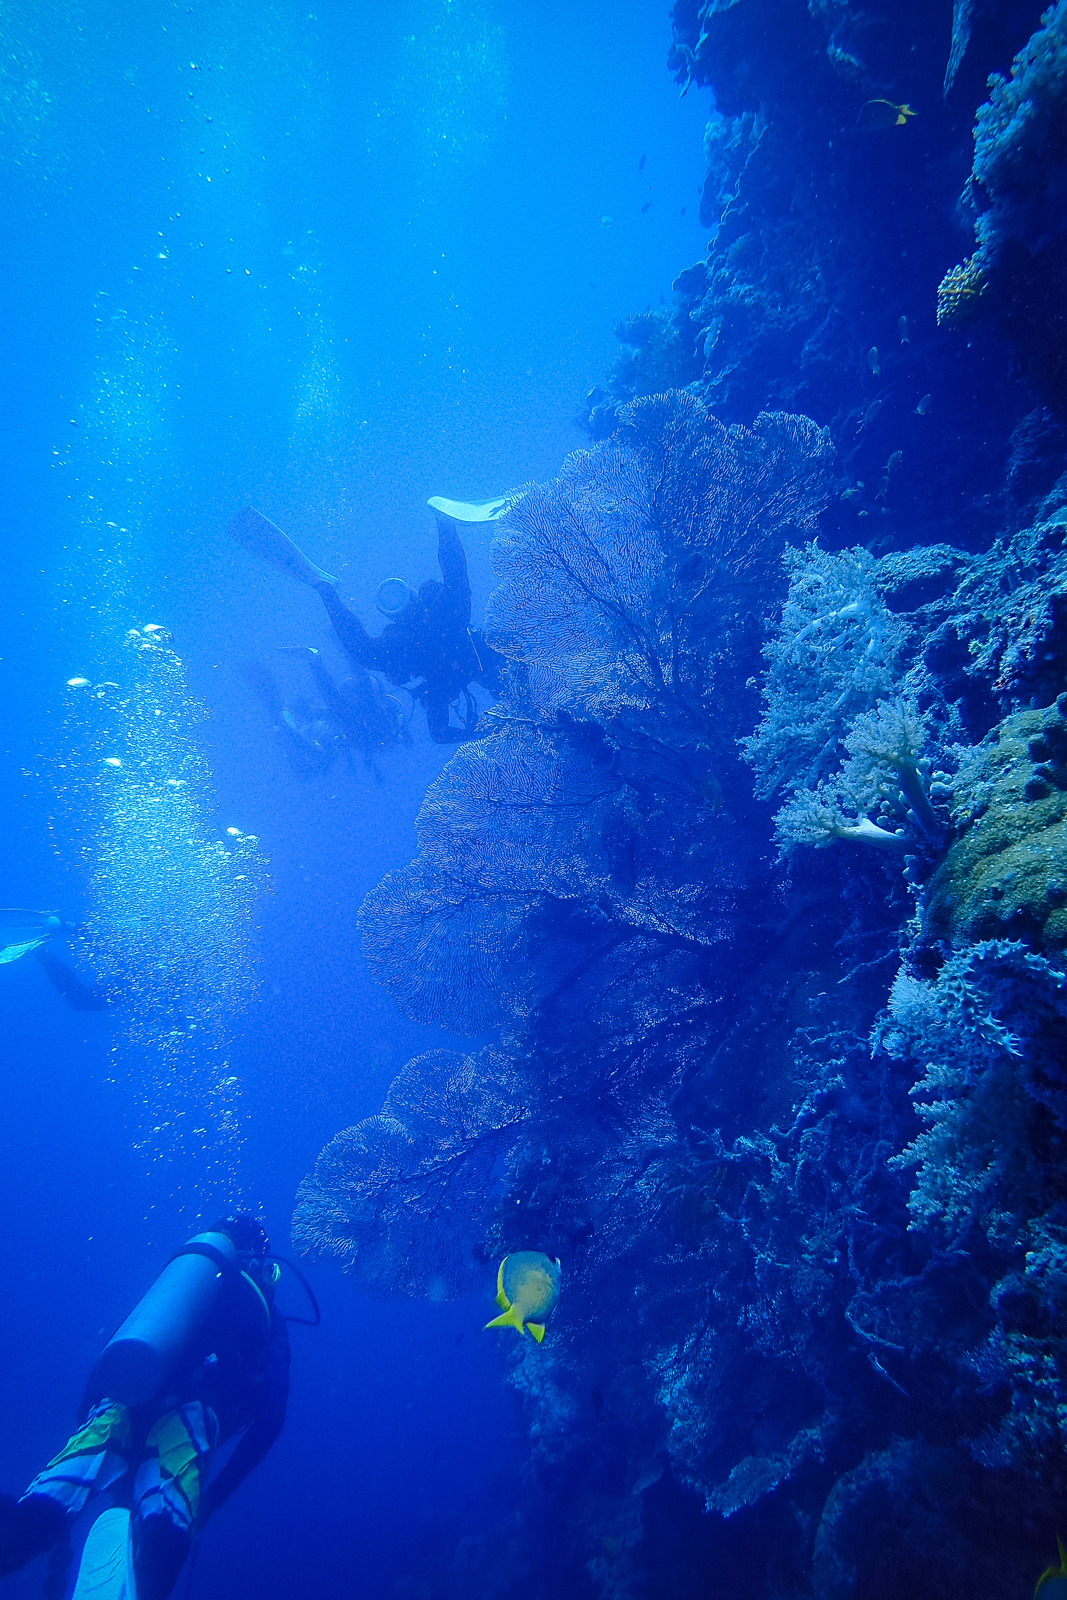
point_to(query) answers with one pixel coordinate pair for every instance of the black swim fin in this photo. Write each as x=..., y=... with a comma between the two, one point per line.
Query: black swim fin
x=257, y=534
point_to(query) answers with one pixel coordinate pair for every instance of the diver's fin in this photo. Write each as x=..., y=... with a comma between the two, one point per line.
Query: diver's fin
x=15, y=952
x=466, y=511
x=537, y=1329
x=511, y=1318
x=106, y=1568
x=255, y=533
x=23, y=931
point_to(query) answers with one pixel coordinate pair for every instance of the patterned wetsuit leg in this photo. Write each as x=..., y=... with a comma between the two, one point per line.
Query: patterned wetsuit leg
x=92, y=1460
x=167, y=1489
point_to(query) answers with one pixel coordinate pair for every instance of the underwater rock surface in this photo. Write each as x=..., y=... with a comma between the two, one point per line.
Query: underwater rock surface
x=1016, y=280
x=794, y=1119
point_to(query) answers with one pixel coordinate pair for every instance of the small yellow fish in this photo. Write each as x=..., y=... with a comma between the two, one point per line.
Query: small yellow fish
x=527, y=1287
x=878, y=114
x=894, y=461
x=873, y=362
x=923, y=407
x=902, y=330
x=1052, y=1584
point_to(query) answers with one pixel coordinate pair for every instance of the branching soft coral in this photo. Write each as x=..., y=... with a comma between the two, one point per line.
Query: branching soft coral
x=986, y=1086
x=835, y=651
x=886, y=771
x=991, y=1032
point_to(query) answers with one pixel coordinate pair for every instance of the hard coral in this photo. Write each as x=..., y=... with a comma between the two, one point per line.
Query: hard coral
x=1006, y=874
x=959, y=292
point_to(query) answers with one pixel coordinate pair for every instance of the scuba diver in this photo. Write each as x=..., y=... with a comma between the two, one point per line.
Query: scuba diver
x=301, y=730
x=427, y=644
x=366, y=718
x=203, y=1359
x=25, y=932
x=356, y=716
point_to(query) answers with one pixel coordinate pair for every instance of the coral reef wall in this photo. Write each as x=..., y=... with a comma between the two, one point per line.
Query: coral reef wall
x=834, y=227
x=754, y=883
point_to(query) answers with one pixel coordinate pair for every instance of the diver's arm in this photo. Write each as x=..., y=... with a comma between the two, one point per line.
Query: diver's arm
x=264, y=1428
x=491, y=664
x=453, y=563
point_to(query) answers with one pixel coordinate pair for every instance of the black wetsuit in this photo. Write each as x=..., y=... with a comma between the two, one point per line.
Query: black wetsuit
x=78, y=994
x=367, y=718
x=430, y=647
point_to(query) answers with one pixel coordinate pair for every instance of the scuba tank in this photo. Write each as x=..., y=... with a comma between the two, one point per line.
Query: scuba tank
x=160, y=1333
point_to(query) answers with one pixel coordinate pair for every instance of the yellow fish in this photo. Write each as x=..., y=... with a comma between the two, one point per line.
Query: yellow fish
x=1052, y=1584
x=527, y=1287
x=875, y=115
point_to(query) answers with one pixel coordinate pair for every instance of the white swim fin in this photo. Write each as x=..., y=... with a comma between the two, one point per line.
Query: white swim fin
x=466, y=511
x=23, y=931
x=105, y=1571
x=254, y=532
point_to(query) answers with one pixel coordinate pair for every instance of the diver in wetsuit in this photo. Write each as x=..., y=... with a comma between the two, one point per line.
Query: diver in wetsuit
x=23, y=932
x=307, y=741
x=364, y=715
x=355, y=716
x=203, y=1358
x=428, y=646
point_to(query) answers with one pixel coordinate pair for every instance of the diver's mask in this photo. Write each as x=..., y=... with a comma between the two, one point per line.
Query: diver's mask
x=394, y=597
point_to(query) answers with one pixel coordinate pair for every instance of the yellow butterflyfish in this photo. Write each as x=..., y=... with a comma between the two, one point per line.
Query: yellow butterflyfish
x=1052, y=1584
x=527, y=1289
x=874, y=115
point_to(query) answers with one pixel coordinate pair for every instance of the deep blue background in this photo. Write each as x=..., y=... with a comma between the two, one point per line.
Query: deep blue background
x=330, y=261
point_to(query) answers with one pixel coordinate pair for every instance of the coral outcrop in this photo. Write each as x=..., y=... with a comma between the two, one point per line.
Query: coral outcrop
x=1017, y=278
x=793, y=1119
x=1006, y=874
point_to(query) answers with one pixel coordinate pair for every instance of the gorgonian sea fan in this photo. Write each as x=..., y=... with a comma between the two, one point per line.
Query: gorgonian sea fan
x=404, y=1199
x=615, y=575
x=508, y=829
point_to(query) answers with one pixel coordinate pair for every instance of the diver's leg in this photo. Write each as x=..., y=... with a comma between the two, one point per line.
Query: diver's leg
x=78, y=994
x=358, y=646
x=160, y=1551
x=89, y=1462
x=28, y=1527
x=167, y=1491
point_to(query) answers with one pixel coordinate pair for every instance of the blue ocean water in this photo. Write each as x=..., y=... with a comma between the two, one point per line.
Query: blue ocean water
x=328, y=260
x=726, y=963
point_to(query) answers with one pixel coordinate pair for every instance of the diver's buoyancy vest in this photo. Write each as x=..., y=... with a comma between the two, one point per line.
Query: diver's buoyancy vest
x=161, y=1333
